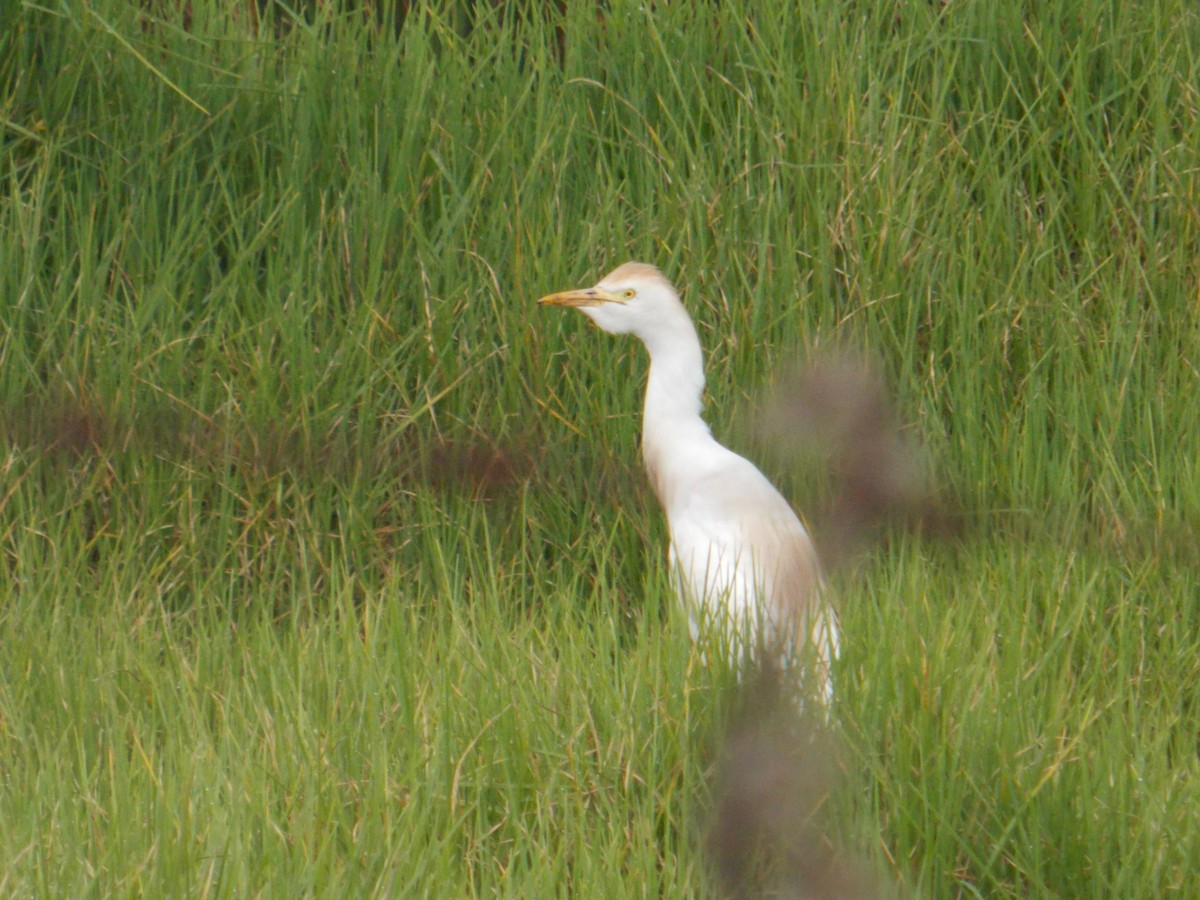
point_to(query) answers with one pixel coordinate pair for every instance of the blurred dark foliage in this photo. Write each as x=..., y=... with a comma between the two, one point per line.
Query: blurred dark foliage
x=839, y=411
x=767, y=834
x=778, y=759
x=73, y=425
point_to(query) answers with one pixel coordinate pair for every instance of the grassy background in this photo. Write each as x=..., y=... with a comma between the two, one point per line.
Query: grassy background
x=328, y=567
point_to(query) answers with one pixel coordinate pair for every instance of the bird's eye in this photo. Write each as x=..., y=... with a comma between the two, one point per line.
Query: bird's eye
x=629, y=293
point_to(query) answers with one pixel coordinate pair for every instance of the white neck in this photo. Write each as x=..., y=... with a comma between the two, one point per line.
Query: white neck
x=671, y=425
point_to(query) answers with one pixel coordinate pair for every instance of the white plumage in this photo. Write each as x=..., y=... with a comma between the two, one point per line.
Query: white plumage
x=741, y=561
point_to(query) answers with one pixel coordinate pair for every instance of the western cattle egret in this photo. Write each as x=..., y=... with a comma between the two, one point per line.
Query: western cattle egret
x=741, y=561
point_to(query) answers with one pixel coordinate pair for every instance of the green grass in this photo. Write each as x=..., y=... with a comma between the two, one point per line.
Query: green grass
x=328, y=567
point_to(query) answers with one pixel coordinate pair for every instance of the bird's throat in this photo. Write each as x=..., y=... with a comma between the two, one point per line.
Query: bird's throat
x=673, y=431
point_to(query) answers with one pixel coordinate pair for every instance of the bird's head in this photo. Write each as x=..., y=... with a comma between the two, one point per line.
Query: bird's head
x=632, y=299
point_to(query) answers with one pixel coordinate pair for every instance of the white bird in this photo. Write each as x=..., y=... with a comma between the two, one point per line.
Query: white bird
x=742, y=563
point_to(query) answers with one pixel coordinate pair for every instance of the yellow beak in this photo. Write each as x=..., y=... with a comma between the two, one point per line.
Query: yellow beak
x=582, y=297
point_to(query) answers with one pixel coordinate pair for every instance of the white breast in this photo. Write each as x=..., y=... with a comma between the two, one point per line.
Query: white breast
x=744, y=566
